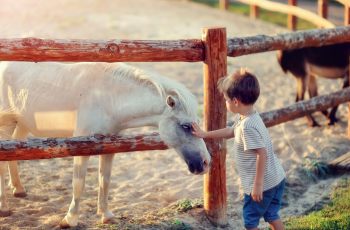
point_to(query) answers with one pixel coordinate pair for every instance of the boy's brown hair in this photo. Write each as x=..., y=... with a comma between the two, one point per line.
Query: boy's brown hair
x=241, y=85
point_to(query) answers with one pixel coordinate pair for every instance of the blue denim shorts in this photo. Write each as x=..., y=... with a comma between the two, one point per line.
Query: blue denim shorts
x=267, y=208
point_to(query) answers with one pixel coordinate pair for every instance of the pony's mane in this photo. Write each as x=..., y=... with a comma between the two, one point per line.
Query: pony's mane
x=163, y=86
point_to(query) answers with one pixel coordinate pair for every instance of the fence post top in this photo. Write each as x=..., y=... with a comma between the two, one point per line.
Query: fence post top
x=214, y=28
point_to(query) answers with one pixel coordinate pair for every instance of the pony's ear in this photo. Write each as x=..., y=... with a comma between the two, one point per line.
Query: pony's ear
x=170, y=101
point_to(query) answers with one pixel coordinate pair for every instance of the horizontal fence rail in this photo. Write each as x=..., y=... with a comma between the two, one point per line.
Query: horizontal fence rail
x=289, y=9
x=293, y=40
x=47, y=148
x=192, y=50
x=38, y=50
x=303, y=108
x=344, y=2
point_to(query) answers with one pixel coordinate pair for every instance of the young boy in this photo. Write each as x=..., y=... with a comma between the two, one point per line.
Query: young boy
x=261, y=173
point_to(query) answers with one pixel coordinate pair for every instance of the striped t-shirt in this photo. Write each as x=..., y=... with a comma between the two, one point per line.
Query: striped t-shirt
x=251, y=133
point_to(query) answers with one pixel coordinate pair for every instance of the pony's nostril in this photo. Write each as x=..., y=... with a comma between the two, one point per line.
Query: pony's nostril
x=205, y=163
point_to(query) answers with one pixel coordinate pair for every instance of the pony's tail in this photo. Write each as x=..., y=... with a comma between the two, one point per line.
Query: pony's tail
x=8, y=121
x=8, y=118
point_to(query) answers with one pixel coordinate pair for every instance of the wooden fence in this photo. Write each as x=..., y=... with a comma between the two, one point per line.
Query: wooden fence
x=294, y=12
x=212, y=50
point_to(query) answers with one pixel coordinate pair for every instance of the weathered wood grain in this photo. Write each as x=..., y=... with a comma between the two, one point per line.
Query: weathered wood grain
x=214, y=68
x=341, y=163
x=285, y=41
x=46, y=148
x=192, y=50
x=37, y=50
x=303, y=108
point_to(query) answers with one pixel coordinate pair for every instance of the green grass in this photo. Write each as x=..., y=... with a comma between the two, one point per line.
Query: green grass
x=335, y=215
x=186, y=204
x=314, y=169
x=265, y=15
x=179, y=225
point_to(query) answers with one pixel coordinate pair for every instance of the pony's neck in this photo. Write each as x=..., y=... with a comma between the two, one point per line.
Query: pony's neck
x=146, y=109
x=146, y=106
x=150, y=120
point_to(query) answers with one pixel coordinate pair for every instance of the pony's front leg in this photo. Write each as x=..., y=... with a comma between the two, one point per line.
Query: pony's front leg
x=331, y=117
x=311, y=85
x=79, y=172
x=4, y=209
x=17, y=188
x=106, y=162
x=15, y=182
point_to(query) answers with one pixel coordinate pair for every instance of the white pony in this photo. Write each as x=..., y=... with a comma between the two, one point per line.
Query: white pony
x=65, y=100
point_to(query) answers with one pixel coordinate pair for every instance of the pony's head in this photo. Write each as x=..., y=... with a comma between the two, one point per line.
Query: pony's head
x=175, y=128
x=175, y=113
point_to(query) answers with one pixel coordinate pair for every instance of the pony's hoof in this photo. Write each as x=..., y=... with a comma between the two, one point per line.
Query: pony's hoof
x=314, y=124
x=333, y=121
x=108, y=221
x=64, y=224
x=18, y=191
x=108, y=218
x=20, y=194
x=4, y=213
x=69, y=221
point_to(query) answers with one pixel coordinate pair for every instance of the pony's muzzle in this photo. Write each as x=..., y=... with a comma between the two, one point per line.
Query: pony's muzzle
x=196, y=164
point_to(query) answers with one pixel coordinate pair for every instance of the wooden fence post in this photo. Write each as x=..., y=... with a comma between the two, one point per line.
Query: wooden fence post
x=349, y=109
x=223, y=4
x=323, y=8
x=254, y=11
x=215, y=67
x=292, y=20
x=347, y=14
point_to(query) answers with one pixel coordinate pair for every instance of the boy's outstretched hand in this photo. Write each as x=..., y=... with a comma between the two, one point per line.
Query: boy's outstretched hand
x=197, y=131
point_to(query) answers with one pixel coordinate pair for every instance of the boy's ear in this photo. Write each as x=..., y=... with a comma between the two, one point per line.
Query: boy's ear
x=235, y=101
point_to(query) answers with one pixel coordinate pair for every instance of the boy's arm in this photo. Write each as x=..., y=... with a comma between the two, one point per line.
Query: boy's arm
x=219, y=133
x=257, y=193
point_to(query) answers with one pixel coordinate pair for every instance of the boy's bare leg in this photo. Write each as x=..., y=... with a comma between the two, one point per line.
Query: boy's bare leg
x=276, y=225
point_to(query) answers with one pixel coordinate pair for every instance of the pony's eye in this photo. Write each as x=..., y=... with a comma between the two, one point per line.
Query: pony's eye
x=186, y=127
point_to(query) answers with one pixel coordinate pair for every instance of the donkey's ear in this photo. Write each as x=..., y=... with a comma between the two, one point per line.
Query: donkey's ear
x=170, y=101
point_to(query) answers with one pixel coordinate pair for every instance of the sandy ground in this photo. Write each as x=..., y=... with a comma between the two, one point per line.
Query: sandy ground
x=143, y=184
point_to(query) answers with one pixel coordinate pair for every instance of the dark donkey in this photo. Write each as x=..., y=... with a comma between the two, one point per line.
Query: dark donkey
x=331, y=61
